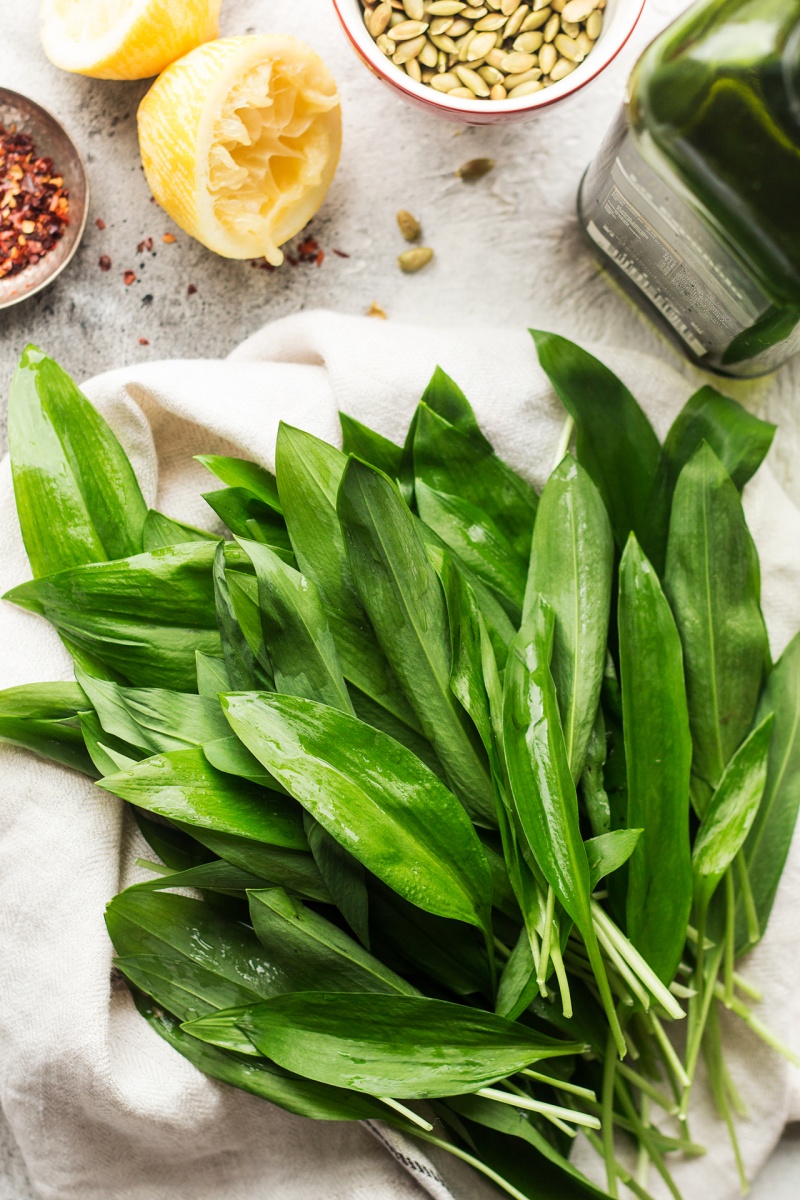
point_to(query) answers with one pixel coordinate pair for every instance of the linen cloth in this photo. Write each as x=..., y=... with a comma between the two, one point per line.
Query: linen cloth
x=100, y=1106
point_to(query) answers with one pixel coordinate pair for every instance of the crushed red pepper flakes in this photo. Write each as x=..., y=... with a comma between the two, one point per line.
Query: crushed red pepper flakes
x=169, y=238
x=34, y=204
x=104, y=262
x=146, y=244
x=143, y=342
x=341, y=254
x=129, y=277
x=100, y=223
x=191, y=290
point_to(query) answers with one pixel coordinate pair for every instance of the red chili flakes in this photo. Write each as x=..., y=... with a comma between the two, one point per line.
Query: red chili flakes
x=147, y=244
x=100, y=223
x=34, y=204
x=169, y=238
x=129, y=277
x=308, y=251
x=143, y=342
x=191, y=290
x=104, y=262
x=341, y=254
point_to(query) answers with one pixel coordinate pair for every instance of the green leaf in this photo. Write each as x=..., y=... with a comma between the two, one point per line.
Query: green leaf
x=370, y=447
x=712, y=582
x=154, y=719
x=467, y=645
x=229, y=755
x=240, y=473
x=615, y=441
x=476, y=540
x=739, y=439
x=300, y=1096
x=374, y=797
x=247, y=516
x=518, y=984
x=159, y=531
x=177, y=850
x=394, y=1045
x=296, y=631
x=108, y=753
x=404, y=600
x=310, y=472
x=186, y=988
x=768, y=842
x=571, y=566
x=42, y=717
x=731, y=812
x=658, y=754
x=78, y=499
x=544, y=795
x=313, y=952
x=592, y=788
x=212, y=676
x=247, y=667
x=163, y=924
x=143, y=616
x=291, y=869
x=608, y=852
x=42, y=701
x=216, y=876
x=458, y=464
x=183, y=786
x=444, y=397
x=527, y=1169
x=344, y=877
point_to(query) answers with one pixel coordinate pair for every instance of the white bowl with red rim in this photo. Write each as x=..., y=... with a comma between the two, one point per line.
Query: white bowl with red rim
x=620, y=21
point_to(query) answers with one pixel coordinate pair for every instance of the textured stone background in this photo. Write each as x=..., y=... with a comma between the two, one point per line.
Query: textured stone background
x=508, y=251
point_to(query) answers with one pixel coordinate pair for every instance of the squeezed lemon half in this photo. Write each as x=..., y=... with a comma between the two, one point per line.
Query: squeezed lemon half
x=124, y=39
x=240, y=140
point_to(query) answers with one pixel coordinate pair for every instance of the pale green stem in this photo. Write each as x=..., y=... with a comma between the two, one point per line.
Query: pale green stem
x=540, y=1106
x=750, y=913
x=609, y=1072
x=457, y=1152
x=623, y=969
x=748, y=988
x=649, y=1089
x=501, y=948
x=643, y=1159
x=668, y=1050
x=561, y=979
x=638, y=965
x=156, y=868
x=730, y=935
x=563, y=1085
x=408, y=1113
x=758, y=1027
x=643, y=1134
x=547, y=934
x=563, y=441
x=623, y=1174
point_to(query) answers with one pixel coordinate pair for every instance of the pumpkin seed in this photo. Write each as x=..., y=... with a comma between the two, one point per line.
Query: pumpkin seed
x=414, y=9
x=408, y=50
x=515, y=21
x=475, y=169
x=459, y=28
x=547, y=58
x=445, y=8
x=475, y=14
x=515, y=62
x=498, y=92
x=428, y=55
x=462, y=93
x=578, y=10
x=385, y=44
x=411, y=261
x=375, y=310
x=567, y=47
x=536, y=20
x=552, y=27
x=507, y=7
x=444, y=43
x=490, y=23
x=445, y=82
x=491, y=75
x=409, y=225
x=441, y=25
x=594, y=25
x=570, y=28
x=525, y=89
x=529, y=43
x=472, y=80
x=495, y=58
x=562, y=68
x=414, y=70
x=584, y=42
x=406, y=31
x=480, y=46
x=514, y=81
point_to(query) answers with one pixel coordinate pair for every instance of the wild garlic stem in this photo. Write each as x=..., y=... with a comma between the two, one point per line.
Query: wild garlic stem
x=563, y=1085
x=609, y=1157
x=457, y=1152
x=540, y=1106
x=408, y=1113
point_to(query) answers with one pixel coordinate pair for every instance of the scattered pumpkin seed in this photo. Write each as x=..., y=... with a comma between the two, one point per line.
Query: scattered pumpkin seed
x=475, y=169
x=414, y=260
x=409, y=225
x=375, y=310
x=562, y=68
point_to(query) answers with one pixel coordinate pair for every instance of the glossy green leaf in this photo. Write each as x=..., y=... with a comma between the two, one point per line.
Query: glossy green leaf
x=444, y=397
x=374, y=797
x=178, y=850
x=518, y=984
x=154, y=719
x=370, y=446
x=658, y=752
x=57, y=739
x=294, y=870
x=77, y=497
x=247, y=667
x=458, y=464
x=108, y=753
x=467, y=635
x=478, y=541
x=247, y=516
x=300, y=644
x=592, y=788
x=731, y=811
x=608, y=852
x=403, y=597
x=161, y=923
x=380, y=718
x=543, y=790
x=240, y=473
x=526, y=1168
x=739, y=439
x=712, y=582
x=394, y=1045
x=186, y=988
x=143, y=616
x=159, y=530
x=768, y=842
x=310, y=472
x=344, y=875
x=264, y=1079
x=615, y=441
x=228, y=754
x=212, y=676
x=572, y=558
x=313, y=952
x=215, y=876
x=183, y=786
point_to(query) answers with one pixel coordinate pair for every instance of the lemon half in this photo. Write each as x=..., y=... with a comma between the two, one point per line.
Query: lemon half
x=124, y=39
x=240, y=141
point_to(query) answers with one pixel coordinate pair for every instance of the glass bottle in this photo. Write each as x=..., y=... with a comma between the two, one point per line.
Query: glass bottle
x=693, y=201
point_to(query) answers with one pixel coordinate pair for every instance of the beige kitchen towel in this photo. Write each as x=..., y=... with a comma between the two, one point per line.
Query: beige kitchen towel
x=101, y=1107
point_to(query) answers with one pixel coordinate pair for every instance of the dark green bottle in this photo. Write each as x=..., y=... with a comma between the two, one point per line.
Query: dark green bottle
x=694, y=199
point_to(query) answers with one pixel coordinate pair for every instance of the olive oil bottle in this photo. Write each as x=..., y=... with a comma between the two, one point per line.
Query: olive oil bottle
x=693, y=201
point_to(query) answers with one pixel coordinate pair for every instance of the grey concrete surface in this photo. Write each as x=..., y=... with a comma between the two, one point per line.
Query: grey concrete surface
x=507, y=251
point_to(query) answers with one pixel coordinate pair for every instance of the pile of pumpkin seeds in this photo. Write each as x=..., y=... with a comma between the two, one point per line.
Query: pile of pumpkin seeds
x=495, y=50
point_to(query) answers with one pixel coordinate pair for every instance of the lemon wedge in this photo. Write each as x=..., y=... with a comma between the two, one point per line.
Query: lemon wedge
x=124, y=39
x=240, y=141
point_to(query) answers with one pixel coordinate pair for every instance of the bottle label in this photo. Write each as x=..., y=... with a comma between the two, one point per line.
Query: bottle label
x=656, y=239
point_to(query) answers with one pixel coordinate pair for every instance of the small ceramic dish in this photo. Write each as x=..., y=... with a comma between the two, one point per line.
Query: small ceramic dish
x=51, y=141
x=621, y=17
